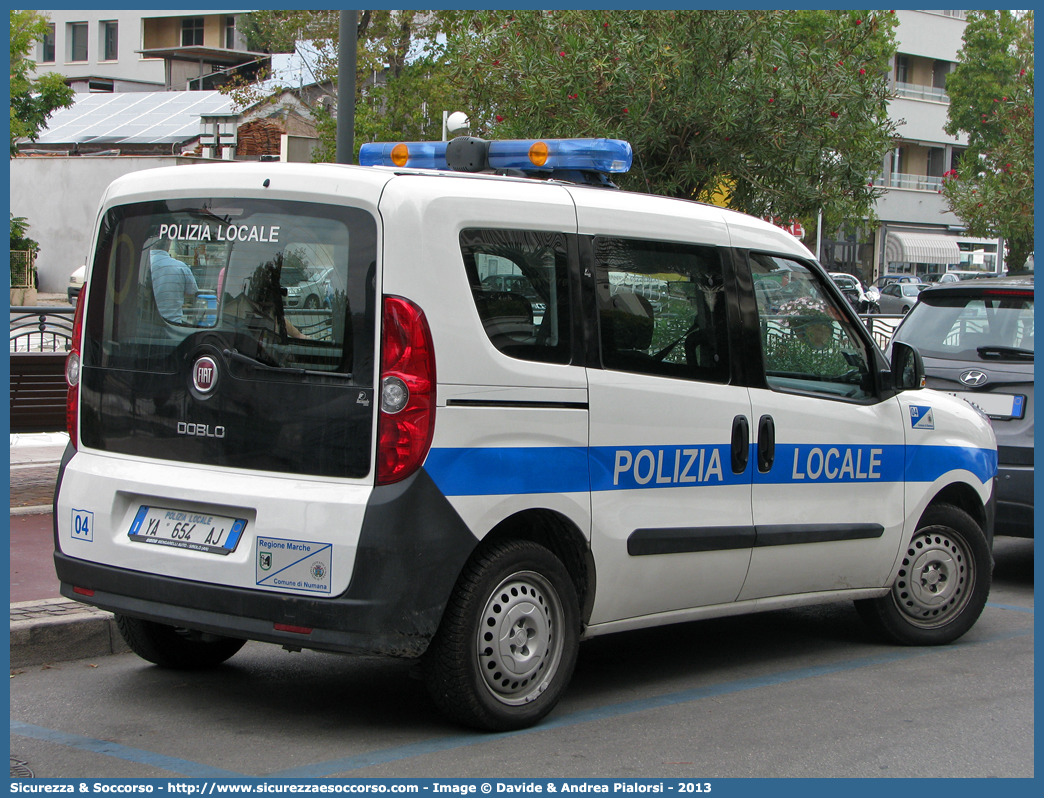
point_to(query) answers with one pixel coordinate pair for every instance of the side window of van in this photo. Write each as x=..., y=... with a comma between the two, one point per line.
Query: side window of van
x=808, y=342
x=520, y=284
x=661, y=309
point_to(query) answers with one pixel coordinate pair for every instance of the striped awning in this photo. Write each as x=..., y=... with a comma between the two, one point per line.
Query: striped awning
x=906, y=247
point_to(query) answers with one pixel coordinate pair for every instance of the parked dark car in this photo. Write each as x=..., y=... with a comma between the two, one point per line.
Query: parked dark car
x=976, y=338
x=859, y=296
x=888, y=279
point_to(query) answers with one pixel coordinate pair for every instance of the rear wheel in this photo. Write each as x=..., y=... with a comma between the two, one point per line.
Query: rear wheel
x=172, y=647
x=312, y=302
x=508, y=640
x=942, y=584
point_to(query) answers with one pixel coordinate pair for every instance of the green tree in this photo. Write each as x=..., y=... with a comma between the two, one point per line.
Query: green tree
x=991, y=100
x=786, y=111
x=401, y=89
x=33, y=100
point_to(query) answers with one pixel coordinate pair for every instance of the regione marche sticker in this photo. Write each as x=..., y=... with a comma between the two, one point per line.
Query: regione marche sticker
x=921, y=417
x=293, y=565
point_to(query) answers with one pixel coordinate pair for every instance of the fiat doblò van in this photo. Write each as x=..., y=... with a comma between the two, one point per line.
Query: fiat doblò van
x=480, y=473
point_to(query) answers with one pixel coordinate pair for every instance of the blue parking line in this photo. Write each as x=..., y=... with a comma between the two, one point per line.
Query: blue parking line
x=427, y=747
x=182, y=767
x=398, y=753
x=1009, y=607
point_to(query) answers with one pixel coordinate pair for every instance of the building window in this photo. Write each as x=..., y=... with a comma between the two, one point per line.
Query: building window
x=110, y=40
x=77, y=41
x=902, y=69
x=230, y=33
x=47, y=46
x=192, y=31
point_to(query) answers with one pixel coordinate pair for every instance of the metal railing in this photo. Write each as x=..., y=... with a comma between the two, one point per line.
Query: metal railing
x=915, y=91
x=41, y=329
x=881, y=327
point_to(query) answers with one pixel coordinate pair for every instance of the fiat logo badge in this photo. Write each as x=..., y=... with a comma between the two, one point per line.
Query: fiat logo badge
x=204, y=374
x=974, y=378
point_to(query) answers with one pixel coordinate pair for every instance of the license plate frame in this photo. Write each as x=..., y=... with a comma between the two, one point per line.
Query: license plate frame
x=183, y=529
x=996, y=405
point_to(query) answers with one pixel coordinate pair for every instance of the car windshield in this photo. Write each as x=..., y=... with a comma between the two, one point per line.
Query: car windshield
x=992, y=325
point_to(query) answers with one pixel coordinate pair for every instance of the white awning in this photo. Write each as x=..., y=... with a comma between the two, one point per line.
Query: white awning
x=908, y=247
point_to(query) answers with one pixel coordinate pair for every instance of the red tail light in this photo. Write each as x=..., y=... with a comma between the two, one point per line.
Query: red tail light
x=72, y=372
x=406, y=404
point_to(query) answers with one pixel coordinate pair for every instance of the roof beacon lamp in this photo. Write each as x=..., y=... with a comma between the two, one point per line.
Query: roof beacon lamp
x=576, y=160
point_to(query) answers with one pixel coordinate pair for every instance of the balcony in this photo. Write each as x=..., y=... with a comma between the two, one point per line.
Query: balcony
x=915, y=91
x=912, y=182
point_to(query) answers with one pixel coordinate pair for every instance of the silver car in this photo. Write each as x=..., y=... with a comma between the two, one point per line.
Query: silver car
x=897, y=298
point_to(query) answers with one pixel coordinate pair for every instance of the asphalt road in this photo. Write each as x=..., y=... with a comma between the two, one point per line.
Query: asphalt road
x=789, y=693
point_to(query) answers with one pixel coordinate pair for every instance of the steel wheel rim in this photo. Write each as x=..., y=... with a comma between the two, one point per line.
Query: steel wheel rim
x=936, y=578
x=518, y=644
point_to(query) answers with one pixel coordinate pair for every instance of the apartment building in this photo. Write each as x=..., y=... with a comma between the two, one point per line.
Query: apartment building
x=917, y=234
x=125, y=50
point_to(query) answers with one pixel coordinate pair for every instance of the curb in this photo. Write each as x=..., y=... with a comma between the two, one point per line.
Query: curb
x=61, y=630
x=34, y=509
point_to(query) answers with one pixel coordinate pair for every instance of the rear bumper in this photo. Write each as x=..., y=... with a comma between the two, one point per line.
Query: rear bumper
x=411, y=549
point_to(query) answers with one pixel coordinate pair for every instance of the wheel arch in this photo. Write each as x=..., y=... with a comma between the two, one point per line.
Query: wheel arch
x=965, y=497
x=561, y=537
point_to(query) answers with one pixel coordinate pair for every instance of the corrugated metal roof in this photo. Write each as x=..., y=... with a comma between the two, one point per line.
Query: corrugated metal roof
x=160, y=117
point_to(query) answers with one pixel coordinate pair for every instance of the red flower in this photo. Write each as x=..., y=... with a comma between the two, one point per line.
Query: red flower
x=626, y=111
x=605, y=24
x=496, y=63
x=772, y=99
x=775, y=69
x=834, y=114
x=1022, y=72
x=862, y=71
x=840, y=63
x=562, y=53
x=859, y=22
x=500, y=118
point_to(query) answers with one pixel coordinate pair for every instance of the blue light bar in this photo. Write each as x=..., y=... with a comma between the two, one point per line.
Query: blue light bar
x=418, y=154
x=596, y=155
x=526, y=155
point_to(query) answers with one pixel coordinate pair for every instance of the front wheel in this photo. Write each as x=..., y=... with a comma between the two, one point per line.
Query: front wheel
x=942, y=584
x=508, y=640
x=172, y=647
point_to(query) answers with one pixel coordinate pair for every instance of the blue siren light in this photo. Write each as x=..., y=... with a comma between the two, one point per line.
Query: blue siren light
x=525, y=155
x=414, y=154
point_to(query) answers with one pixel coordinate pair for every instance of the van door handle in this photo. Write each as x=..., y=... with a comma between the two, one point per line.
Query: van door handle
x=766, y=444
x=740, y=444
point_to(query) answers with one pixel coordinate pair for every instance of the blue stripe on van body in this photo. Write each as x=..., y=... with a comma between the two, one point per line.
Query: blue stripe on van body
x=509, y=470
x=928, y=463
x=506, y=471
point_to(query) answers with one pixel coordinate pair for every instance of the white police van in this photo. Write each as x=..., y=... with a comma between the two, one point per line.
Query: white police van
x=480, y=473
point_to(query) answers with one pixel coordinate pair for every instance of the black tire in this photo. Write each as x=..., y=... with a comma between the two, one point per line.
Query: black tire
x=312, y=302
x=170, y=647
x=942, y=586
x=482, y=668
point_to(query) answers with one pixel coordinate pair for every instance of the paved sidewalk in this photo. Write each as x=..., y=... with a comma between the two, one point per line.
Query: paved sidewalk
x=47, y=627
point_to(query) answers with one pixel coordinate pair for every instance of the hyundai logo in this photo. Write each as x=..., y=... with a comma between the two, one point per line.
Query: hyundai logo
x=974, y=378
x=204, y=374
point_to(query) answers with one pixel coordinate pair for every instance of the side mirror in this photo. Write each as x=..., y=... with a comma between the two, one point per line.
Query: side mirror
x=907, y=368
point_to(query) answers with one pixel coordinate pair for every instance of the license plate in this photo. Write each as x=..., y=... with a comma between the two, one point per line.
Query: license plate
x=160, y=526
x=995, y=405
